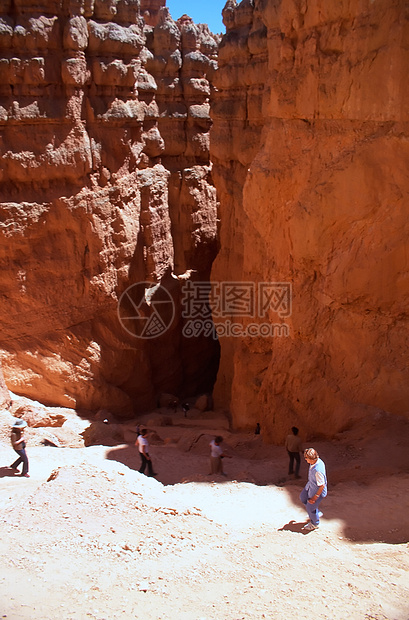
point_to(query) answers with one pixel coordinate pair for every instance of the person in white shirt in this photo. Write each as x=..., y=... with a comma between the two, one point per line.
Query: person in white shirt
x=143, y=446
x=216, y=456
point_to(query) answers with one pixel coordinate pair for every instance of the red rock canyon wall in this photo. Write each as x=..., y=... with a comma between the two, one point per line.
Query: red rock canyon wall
x=105, y=181
x=311, y=156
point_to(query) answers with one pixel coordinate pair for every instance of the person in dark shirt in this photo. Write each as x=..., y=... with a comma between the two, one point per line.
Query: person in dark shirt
x=293, y=446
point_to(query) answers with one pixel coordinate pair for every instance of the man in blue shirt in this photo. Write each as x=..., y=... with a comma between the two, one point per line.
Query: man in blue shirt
x=316, y=488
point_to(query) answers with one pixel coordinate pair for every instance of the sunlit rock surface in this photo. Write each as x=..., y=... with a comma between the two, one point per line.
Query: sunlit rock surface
x=310, y=152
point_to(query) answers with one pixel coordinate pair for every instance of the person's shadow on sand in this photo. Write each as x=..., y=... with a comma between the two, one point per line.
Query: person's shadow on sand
x=8, y=472
x=294, y=526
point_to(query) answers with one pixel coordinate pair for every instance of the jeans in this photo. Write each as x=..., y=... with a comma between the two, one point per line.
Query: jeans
x=312, y=509
x=144, y=463
x=294, y=456
x=22, y=458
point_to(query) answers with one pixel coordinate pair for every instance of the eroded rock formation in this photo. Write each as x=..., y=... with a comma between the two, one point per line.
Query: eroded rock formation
x=105, y=182
x=310, y=153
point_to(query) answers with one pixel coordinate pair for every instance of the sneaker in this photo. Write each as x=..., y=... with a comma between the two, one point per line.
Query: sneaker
x=320, y=514
x=310, y=526
x=25, y=475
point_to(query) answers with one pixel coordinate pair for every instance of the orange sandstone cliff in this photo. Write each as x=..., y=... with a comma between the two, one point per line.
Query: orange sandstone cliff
x=310, y=148
x=106, y=182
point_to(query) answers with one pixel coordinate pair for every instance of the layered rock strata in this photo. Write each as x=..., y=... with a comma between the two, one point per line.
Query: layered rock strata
x=310, y=153
x=105, y=182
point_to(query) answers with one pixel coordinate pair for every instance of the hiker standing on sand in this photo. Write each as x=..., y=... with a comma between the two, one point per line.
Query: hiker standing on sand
x=316, y=488
x=143, y=446
x=216, y=456
x=293, y=446
x=19, y=445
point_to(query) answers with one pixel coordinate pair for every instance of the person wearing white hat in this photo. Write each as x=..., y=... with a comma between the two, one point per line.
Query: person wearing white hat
x=19, y=446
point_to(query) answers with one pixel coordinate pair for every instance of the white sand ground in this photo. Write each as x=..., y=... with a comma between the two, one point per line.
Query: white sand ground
x=88, y=537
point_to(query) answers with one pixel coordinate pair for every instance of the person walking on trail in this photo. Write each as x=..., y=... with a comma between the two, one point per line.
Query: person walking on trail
x=316, y=488
x=293, y=446
x=19, y=445
x=143, y=446
x=216, y=456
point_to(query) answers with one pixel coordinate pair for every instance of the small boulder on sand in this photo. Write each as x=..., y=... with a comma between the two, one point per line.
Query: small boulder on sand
x=37, y=417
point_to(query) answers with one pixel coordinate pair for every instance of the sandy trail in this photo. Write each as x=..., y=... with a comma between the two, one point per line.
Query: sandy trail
x=87, y=536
